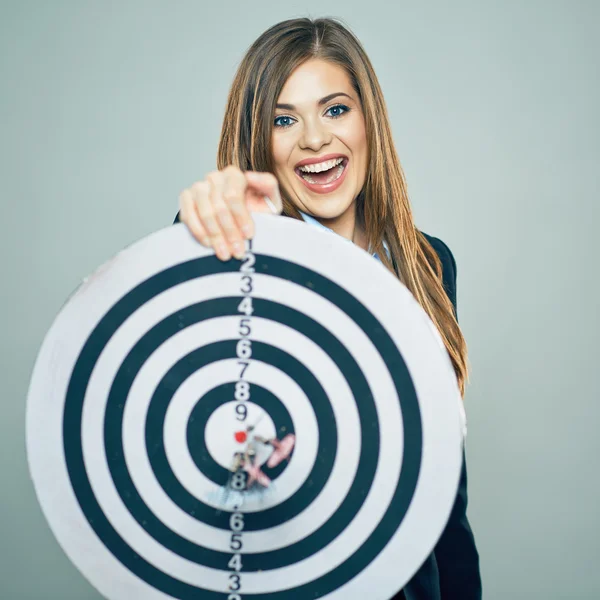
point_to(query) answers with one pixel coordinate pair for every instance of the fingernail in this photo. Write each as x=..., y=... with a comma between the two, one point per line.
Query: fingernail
x=238, y=249
x=222, y=252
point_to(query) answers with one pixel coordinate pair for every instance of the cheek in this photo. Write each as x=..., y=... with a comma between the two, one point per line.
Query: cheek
x=282, y=149
x=277, y=151
x=354, y=136
x=359, y=140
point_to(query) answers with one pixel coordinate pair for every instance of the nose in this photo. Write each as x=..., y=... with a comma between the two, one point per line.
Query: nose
x=315, y=135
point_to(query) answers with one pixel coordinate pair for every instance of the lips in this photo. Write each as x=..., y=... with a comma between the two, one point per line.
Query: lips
x=344, y=163
x=325, y=188
x=319, y=159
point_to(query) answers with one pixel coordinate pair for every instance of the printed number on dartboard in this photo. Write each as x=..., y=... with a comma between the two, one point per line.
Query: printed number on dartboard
x=241, y=397
x=236, y=525
x=244, y=345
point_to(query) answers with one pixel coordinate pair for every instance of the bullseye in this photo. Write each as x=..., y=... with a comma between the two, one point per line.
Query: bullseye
x=222, y=432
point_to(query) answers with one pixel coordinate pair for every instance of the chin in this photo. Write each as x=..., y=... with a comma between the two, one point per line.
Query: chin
x=328, y=210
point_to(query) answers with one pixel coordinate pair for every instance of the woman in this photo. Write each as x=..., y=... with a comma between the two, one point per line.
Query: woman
x=306, y=134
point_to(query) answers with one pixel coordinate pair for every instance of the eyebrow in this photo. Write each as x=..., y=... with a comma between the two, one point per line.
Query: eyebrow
x=321, y=101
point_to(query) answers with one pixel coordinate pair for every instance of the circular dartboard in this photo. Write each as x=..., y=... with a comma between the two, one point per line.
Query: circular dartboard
x=282, y=427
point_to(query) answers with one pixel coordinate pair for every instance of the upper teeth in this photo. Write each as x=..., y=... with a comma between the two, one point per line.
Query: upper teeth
x=318, y=167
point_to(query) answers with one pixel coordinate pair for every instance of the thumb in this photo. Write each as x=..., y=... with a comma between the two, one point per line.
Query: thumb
x=264, y=195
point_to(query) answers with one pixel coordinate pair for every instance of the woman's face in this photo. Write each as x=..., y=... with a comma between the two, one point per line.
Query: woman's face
x=306, y=129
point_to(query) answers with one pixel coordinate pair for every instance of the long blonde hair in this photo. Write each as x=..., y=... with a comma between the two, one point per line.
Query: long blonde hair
x=383, y=207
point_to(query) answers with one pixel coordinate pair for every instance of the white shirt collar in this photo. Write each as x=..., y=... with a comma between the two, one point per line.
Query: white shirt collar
x=313, y=221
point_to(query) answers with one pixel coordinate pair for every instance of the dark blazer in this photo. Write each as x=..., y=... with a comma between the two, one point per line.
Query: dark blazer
x=451, y=572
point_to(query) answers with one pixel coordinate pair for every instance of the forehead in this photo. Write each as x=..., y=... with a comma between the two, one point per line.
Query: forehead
x=312, y=80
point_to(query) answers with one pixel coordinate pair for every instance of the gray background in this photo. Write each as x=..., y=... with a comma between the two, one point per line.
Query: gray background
x=109, y=109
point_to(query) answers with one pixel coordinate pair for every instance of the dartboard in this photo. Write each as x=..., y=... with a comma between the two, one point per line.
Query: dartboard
x=281, y=427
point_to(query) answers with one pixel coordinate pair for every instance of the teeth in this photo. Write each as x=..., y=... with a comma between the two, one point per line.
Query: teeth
x=324, y=166
x=332, y=177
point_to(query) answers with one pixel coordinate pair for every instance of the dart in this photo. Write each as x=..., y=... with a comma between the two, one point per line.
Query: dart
x=255, y=475
x=253, y=426
x=282, y=449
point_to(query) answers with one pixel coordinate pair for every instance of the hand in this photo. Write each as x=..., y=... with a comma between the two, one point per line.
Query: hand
x=217, y=209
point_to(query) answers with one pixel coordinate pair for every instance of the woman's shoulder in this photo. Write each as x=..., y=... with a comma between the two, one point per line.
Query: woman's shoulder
x=443, y=251
x=448, y=265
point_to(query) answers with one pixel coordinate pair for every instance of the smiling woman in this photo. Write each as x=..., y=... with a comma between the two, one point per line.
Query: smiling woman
x=307, y=126
x=325, y=138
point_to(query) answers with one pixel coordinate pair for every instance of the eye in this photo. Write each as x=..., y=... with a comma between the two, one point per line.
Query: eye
x=281, y=126
x=336, y=107
x=339, y=106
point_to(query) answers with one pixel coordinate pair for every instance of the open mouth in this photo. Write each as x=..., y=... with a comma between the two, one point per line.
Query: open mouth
x=324, y=177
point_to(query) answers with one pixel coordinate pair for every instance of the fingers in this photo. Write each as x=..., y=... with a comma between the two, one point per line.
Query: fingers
x=217, y=210
x=265, y=184
x=197, y=212
x=216, y=213
x=225, y=235
x=189, y=216
x=234, y=196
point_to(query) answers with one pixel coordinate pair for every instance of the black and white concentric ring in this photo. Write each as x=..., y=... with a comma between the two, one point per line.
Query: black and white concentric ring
x=368, y=392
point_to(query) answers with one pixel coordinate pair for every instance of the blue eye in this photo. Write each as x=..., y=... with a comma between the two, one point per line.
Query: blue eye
x=340, y=106
x=343, y=107
x=282, y=126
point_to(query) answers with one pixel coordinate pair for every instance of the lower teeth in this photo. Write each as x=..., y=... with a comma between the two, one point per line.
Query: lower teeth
x=333, y=177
